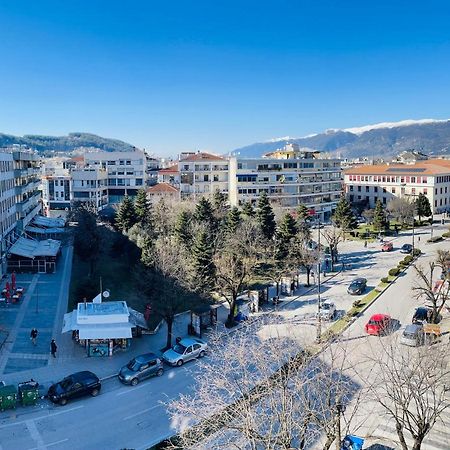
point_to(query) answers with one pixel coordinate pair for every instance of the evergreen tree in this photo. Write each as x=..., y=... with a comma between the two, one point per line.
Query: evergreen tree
x=220, y=202
x=302, y=213
x=183, y=229
x=303, y=222
x=233, y=220
x=423, y=206
x=343, y=216
x=248, y=210
x=202, y=262
x=379, y=217
x=143, y=207
x=204, y=212
x=266, y=217
x=287, y=229
x=126, y=215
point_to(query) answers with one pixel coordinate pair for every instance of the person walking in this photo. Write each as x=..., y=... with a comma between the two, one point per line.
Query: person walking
x=365, y=244
x=33, y=335
x=53, y=348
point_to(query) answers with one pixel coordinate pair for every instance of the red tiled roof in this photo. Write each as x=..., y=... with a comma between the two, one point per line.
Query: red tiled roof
x=201, y=156
x=171, y=169
x=428, y=167
x=162, y=187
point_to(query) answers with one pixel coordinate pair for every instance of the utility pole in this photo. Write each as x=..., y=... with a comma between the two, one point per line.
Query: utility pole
x=339, y=411
x=319, y=306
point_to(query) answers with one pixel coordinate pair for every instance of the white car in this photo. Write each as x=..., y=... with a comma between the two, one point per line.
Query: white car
x=327, y=310
x=185, y=350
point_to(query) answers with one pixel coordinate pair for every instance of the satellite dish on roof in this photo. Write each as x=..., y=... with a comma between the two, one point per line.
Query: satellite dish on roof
x=106, y=294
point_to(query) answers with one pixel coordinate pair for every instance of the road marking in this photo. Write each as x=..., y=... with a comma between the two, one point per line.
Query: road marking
x=51, y=444
x=141, y=412
x=132, y=389
x=41, y=417
x=35, y=435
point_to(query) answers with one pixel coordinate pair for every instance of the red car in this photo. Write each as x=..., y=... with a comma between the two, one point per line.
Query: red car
x=387, y=247
x=378, y=324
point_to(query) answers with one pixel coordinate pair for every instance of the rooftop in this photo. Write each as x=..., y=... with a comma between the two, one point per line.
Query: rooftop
x=102, y=309
x=429, y=167
x=162, y=187
x=202, y=156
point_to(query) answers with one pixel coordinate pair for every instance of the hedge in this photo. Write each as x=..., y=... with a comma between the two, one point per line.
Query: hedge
x=435, y=239
x=394, y=272
x=408, y=259
x=446, y=234
x=417, y=252
x=385, y=280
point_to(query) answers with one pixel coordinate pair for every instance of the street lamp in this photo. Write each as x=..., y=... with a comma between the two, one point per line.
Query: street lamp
x=413, y=221
x=319, y=306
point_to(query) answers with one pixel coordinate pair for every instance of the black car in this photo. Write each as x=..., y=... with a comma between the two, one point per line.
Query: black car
x=423, y=315
x=406, y=248
x=73, y=386
x=357, y=286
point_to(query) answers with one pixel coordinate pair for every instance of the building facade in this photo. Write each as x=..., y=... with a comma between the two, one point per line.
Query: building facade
x=431, y=177
x=57, y=193
x=90, y=187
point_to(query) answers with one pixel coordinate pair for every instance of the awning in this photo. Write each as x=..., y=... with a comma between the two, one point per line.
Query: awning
x=49, y=222
x=38, y=230
x=30, y=248
x=105, y=331
x=70, y=322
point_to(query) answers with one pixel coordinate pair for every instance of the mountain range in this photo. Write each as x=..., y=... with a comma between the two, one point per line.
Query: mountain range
x=379, y=140
x=71, y=142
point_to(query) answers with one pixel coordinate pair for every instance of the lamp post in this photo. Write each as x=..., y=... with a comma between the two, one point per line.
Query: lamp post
x=37, y=297
x=339, y=411
x=414, y=214
x=319, y=306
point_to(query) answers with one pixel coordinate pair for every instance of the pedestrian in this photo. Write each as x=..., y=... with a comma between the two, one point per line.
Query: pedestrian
x=365, y=243
x=53, y=348
x=33, y=335
x=418, y=238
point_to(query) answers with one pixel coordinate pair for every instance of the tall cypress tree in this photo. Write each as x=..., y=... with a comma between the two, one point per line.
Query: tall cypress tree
x=126, y=214
x=379, y=217
x=143, y=207
x=266, y=217
x=248, y=210
x=423, y=206
x=303, y=222
x=233, y=220
x=288, y=228
x=204, y=212
x=183, y=229
x=343, y=216
x=202, y=262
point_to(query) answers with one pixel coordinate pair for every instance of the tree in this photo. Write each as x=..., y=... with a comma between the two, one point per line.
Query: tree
x=379, y=217
x=410, y=386
x=434, y=291
x=369, y=214
x=220, y=204
x=333, y=236
x=300, y=255
x=266, y=217
x=235, y=263
x=401, y=209
x=423, y=206
x=87, y=237
x=126, y=215
x=304, y=222
x=303, y=213
x=343, y=216
x=182, y=229
x=143, y=208
x=248, y=210
x=204, y=213
x=202, y=262
x=233, y=220
x=262, y=398
x=287, y=230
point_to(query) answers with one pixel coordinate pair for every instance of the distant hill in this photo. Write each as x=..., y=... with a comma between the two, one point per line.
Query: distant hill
x=68, y=143
x=379, y=140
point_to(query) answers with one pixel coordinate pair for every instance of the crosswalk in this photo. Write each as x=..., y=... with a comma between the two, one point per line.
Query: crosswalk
x=437, y=439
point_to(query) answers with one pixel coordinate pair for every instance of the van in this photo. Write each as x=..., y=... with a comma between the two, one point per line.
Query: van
x=413, y=335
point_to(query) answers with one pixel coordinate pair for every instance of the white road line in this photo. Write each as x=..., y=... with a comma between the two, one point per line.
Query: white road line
x=6, y=425
x=35, y=435
x=131, y=389
x=141, y=412
x=51, y=444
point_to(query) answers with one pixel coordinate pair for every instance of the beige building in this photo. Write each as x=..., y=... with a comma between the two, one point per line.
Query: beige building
x=384, y=182
x=163, y=191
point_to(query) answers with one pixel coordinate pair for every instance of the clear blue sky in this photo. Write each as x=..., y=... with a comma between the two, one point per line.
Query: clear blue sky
x=182, y=75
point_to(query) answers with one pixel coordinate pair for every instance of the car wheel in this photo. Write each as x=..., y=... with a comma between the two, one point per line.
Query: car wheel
x=179, y=362
x=95, y=392
x=63, y=401
x=134, y=381
x=159, y=372
x=202, y=354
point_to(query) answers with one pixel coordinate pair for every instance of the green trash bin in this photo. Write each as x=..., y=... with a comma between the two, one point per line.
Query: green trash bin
x=29, y=393
x=8, y=397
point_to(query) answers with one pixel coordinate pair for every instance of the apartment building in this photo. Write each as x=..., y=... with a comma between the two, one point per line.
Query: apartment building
x=90, y=187
x=290, y=177
x=57, y=194
x=201, y=174
x=384, y=182
x=126, y=171
x=169, y=175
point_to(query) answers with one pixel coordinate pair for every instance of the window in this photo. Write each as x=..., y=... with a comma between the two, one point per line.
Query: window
x=138, y=181
x=359, y=188
x=215, y=177
x=367, y=189
x=351, y=188
x=393, y=190
x=197, y=346
x=352, y=197
x=205, y=177
x=375, y=189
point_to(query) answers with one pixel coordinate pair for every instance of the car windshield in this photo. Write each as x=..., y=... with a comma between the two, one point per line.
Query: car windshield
x=326, y=306
x=374, y=322
x=133, y=365
x=66, y=383
x=178, y=348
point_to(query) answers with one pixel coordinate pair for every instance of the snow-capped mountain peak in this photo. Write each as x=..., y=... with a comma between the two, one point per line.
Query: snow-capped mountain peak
x=401, y=123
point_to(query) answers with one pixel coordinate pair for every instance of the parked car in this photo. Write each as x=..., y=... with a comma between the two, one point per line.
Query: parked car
x=378, y=324
x=413, y=335
x=76, y=385
x=422, y=315
x=406, y=248
x=140, y=368
x=357, y=286
x=327, y=310
x=185, y=350
x=387, y=247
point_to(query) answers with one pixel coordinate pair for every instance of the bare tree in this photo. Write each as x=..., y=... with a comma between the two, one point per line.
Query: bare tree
x=269, y=395
x=410, y=385
x=333, y=236
x=301, y=256
x=401, y=209
x=430, y=288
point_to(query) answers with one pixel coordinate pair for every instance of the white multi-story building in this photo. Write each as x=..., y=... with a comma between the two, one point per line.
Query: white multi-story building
x=126, y=171
x=57, y=193
x=90, y=187
x=367, y=184
x=290, y=177
x=201, y=174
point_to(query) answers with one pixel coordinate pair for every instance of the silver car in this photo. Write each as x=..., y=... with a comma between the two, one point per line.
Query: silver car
x=140, y=368
x=185, y=350
x=413, y=335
